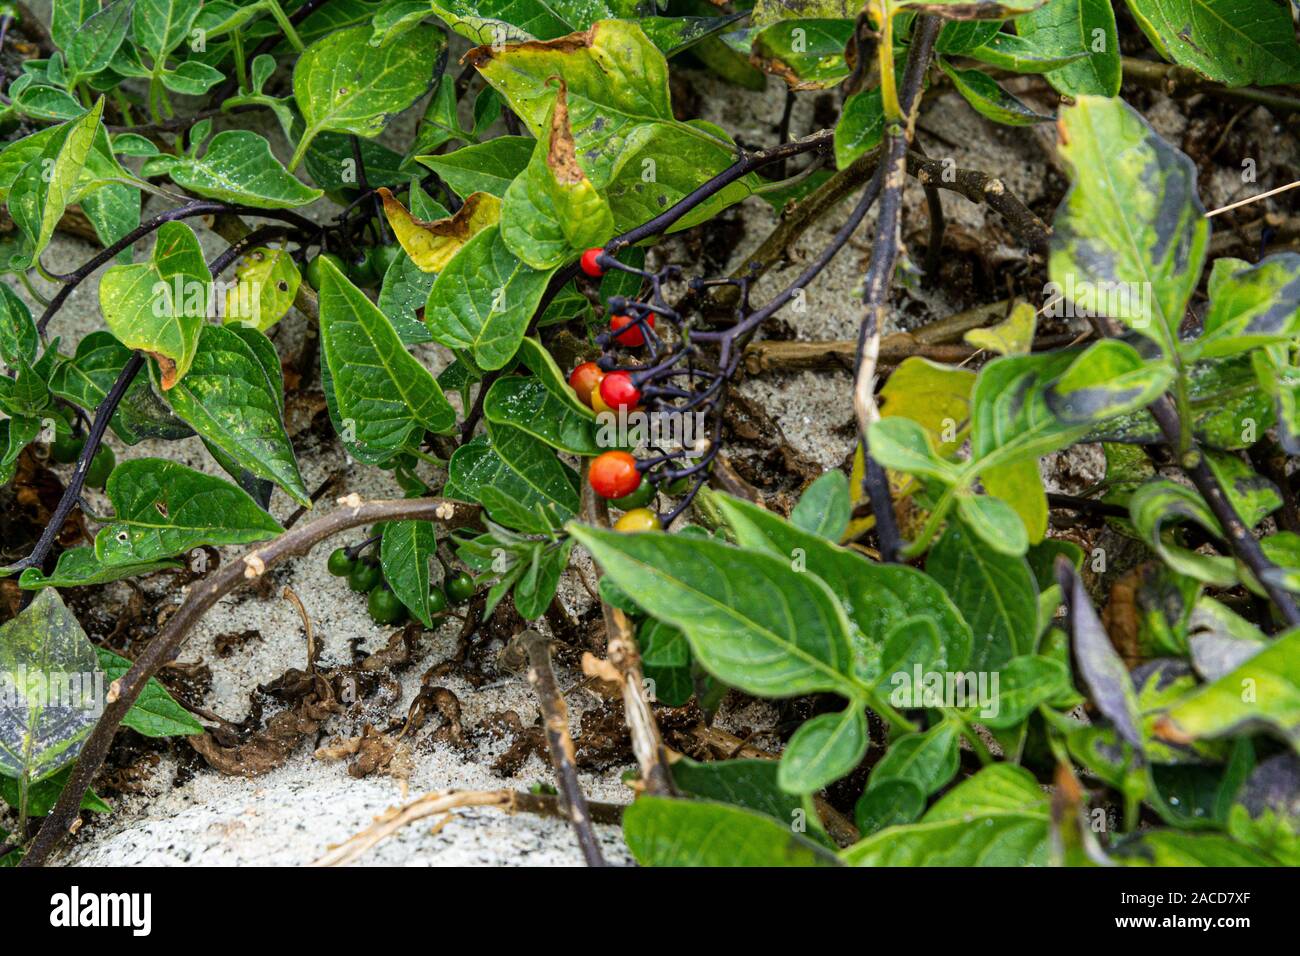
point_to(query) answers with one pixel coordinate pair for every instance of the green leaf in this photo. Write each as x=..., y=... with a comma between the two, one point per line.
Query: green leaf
x=1250, y=306
x=1129, y=238
x=664, y=832
x=46, y=186
x=159, y=306
x=773, y=11
x=404, y=554
x=155, y=712
x=1235, y=42
x=995, y=522
x=999, y=817
x=551, y=212
x=519, y=467
x=824, y=749
x=536, y=586
x=191, y=78
x=989, y=99
x=994, y=592
x=824, y=508
x=237, y=167
x=163, y=508
x=343, y=84
x=231, y=402
x=1261, y=693
x=807, y=54
x=1019, y=54
x=78, y=567
x=483, y=167
x=892, y=803
x=860, y=127
x=1023, y=684
x=666, y=660
x=402, y=297
x=160, y=26
x=15, y=435
x=1162, y=502
x=752, y=621
x=330, y=162
x=539, y=361
x=92, y=47
x=1110, y=378
x=42, y=796
x=904, y=445
x=51, y=701
x=620, y=114
x=750, y=784
x=1169, y=848
x=1063, y=27
x=19, y=340
x=880, y=599
x=928, y=759
x=387, y=395
x=87, y=377
x=484, y=299
x=526, y=404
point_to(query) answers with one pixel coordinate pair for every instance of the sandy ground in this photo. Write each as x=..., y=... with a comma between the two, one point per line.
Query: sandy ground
x=291, y=815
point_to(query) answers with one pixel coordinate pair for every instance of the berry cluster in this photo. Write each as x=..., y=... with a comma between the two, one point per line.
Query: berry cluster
x=365, y=576
x=678, y=377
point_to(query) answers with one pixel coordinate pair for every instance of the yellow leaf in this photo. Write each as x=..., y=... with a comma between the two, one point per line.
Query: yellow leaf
x=1012, y=336
x=431, y=244
x=1020, y=485
x=935, y=396
x=266, y=282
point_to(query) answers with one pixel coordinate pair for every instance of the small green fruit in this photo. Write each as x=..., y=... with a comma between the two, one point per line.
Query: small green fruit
x=101, y=466
x=365, y=576
x=314, y=268
x=637, y=499
x=66, y=447
x=460, y=587
x=384, y=606
x=340, y=564
x=437, y=601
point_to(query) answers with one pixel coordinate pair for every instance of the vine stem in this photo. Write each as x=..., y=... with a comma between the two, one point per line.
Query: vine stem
x=164, y=648
x=72, y=494
x=880, y=273
x=1240, y=540
x=625, y=656
x=555, y=717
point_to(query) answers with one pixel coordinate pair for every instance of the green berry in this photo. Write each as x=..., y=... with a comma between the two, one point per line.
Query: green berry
x=66, y=447
x=365, y=576
x=384, y=606
x=383, y=257
x=314, y=268
x=101, y=466
x=637, y=499
x=340, y=563
x=437, y=601
x=362, y=271
x=460, y=587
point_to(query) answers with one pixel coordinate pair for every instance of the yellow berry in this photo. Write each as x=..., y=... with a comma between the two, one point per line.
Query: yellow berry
x=638, y=519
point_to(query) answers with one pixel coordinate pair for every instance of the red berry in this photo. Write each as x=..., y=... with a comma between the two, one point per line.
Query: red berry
x=613, y=474
x=589, y=264
x=633, y=337
x=617, y=391
x=585, y=380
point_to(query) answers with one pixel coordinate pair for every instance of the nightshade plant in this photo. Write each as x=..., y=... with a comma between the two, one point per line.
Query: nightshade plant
x=945, y=643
